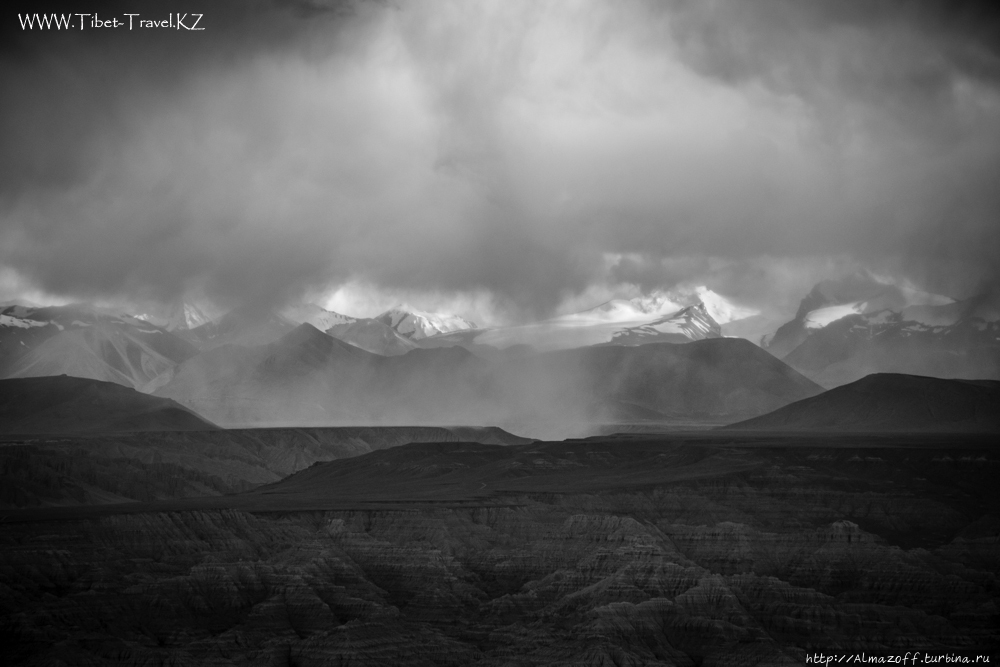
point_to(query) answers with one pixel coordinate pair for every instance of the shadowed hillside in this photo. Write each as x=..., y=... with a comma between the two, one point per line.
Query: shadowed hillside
x=117, y=468
x=891, y=402
x=64, y=404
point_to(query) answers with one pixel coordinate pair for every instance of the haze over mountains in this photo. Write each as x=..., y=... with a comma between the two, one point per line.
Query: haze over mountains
x=499, y=333
x=257, y=366
x=87, y=342
x=308, y=377
x=849, y=328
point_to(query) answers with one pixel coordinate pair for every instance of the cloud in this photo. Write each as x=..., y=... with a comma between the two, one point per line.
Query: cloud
x=503, y=148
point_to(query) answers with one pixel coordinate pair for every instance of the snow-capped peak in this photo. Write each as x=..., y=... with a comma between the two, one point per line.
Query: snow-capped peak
x=182, y=316
x=320, y=318
x=721, y=309
x=621, y=310
x=416, y=324
x=660, y=304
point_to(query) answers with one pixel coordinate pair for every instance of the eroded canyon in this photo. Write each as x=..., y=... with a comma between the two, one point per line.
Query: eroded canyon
x=693, y=549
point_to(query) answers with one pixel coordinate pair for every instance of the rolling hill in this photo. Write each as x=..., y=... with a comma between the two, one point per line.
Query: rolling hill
x=64, y=404
x=891, y=402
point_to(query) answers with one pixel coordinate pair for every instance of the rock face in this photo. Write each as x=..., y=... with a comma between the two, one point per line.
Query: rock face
x=308, y=377
x=754, y=554
x=890, y=402
x=64, y=404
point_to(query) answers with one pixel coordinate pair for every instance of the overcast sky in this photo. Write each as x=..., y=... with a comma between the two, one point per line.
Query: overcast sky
x=506, y=159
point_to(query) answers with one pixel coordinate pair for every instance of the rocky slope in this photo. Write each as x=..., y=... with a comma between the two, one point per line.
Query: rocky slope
x=890, y=402
x=684, y=552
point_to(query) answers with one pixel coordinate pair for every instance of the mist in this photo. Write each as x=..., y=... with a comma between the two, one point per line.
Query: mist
x=510, y=156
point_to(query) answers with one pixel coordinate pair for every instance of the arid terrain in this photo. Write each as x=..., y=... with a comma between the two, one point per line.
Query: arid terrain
x=697, y=548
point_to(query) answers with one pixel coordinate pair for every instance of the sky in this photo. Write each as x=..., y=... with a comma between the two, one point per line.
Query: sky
x=505, y=160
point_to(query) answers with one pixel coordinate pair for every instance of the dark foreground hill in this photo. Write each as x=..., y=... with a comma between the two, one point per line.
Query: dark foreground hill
x=123, y=467
x=308, y=377
x=698, y=549
x=64, y=404
x=891, y=402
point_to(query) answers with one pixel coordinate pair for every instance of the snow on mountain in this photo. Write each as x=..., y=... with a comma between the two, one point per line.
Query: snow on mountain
x=187, y=316
x=860, y=293
x=659, y=317
x=663, y=304
x=863, y=324
x=417, y=324
x=182, y=316
x=320, y=318
x=86, y=341
x=13, y=321
x=819, y=318
x=373, y=336
x=721, y=309
x=691, y=323
x=641, y=308
x=885, y=341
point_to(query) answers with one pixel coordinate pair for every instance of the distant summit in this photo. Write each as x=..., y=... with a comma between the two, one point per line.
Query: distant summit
x=417, y=324
x=688, y=324
x=659, y=317
x=88, y=342
x=858, y=294
x=847, y=329
x=373, y=336
x=186, y=316
x=321, y=318
x=244, y=325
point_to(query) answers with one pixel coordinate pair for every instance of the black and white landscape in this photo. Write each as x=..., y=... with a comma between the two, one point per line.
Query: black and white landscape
x=499, y=333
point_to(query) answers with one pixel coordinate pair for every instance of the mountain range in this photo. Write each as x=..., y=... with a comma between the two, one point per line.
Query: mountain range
x=141, y=351
x=847, y=329
x=84, y=341
x=308, y=377
x=608, y=364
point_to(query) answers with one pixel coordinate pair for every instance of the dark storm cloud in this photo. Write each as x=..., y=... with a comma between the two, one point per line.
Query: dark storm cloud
x=512, y=147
